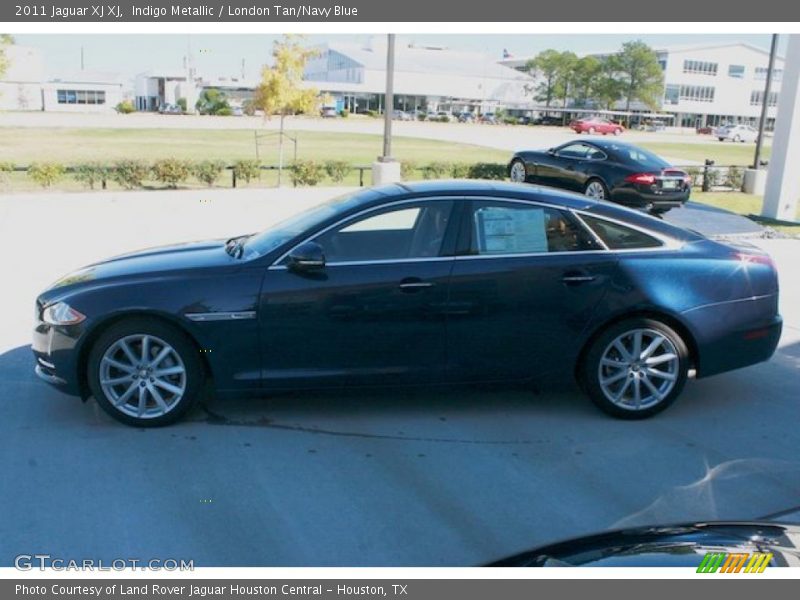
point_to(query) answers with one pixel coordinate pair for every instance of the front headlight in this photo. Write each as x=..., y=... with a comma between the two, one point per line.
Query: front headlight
x=61, y=313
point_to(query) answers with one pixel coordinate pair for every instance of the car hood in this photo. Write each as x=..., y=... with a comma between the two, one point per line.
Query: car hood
x=667, y=546
x=152, y=261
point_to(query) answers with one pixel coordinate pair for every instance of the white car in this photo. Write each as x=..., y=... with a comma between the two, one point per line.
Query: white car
x=736, y=133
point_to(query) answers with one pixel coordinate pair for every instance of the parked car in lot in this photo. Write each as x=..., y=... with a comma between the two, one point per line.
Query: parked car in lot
x=466, y=117
x=328, y=112
x=424, y=283
x=549, y=121
x=170, y=109
x=489, y=118
x=596, y=125
x=401, y=115
x=606, y=170
x=736, y=133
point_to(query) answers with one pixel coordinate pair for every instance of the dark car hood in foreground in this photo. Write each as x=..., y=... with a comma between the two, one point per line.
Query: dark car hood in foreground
x=177, y=257
x=667, y=546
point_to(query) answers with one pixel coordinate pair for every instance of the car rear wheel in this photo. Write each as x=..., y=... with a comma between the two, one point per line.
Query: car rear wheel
x=144, y=372
x=517, y=171
x=636, y=368
x=721, y=139
x=596, y=190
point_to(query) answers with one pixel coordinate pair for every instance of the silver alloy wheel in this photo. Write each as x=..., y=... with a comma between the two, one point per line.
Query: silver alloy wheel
x=518, y=172
x=596, y=190
x=142, y=376
x=638, y=369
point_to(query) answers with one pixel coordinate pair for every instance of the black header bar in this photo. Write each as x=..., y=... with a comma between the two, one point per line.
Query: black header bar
x=340, y=11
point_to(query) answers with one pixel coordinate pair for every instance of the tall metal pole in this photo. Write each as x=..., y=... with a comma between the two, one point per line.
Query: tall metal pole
x=388, y=107
x=765, y=104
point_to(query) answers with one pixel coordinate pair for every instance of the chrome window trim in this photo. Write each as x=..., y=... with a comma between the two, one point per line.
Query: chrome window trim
x=276, y=262
x=667, y=242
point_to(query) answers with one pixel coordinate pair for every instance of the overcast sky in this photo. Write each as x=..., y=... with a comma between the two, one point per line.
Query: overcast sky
x=222, y=55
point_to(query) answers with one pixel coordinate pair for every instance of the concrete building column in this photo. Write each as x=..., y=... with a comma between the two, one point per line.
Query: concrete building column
x=783, y=183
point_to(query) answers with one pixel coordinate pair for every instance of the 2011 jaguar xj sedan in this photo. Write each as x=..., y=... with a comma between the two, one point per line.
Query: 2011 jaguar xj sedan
x=425, y=283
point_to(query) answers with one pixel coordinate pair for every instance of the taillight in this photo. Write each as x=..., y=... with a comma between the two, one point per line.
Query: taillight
x=644, y=178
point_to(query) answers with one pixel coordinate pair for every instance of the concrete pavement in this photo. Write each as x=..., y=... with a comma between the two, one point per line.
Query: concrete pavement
x=422, y=477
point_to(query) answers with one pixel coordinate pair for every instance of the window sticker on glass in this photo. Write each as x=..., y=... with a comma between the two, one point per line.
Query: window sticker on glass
x=510, y=231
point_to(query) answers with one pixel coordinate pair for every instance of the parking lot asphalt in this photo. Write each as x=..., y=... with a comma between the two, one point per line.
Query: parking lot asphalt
x=413, y=477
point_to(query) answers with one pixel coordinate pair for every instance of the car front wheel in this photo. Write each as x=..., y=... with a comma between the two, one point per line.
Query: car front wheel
x=635, y=368
x=596, y=190
x=144, y=372
x=517, y=171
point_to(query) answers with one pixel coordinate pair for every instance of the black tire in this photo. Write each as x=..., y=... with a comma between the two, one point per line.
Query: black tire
x=722, y=139
x=160, y=331
x=590, y=370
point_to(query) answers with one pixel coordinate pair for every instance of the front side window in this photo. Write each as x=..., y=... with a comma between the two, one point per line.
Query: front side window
x=407, y=232
x=506, y=228
x=620, y=237
x=573, y=151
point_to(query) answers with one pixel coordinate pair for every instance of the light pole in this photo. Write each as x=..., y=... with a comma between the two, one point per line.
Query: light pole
x=762, y=123
x=385, y=169
x=388, y=105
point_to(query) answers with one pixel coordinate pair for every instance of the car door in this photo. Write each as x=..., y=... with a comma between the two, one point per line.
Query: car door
x=375, y=314
x=525, y=285
x=570, y=160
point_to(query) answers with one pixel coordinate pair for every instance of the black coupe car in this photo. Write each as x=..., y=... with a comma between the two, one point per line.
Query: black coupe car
x=606, y=170
x=432, y=282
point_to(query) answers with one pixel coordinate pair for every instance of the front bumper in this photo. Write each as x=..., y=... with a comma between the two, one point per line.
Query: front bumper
x=55, y=349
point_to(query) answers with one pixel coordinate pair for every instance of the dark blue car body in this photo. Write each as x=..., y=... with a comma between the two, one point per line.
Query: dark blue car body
x=261, y=326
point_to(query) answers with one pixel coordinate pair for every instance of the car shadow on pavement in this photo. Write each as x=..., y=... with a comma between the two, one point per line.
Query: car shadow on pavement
x=318, y=411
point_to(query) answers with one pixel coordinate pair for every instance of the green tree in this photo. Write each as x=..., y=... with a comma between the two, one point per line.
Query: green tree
x=212, y=102
x=607, y=89
x=565, y=79
x=640, y=76
x=586, y=75
x=281, y=91
x=5, y=40
x=547, y=66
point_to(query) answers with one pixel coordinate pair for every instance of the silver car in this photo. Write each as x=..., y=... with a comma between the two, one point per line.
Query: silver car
x=736, y=133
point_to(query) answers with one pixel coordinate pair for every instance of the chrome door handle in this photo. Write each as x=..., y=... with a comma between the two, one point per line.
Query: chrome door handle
x=415, y=285
x=578, y=278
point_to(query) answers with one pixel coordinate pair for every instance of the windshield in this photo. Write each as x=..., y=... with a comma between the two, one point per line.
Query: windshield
x=280, y=233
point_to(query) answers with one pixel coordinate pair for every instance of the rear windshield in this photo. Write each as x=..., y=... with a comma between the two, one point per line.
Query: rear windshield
x=643, y=159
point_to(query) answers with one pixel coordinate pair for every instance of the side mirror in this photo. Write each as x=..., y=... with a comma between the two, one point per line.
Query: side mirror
x=307, y=257
x=551, y=150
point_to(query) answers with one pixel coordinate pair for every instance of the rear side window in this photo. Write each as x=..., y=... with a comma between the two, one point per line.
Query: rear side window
x=619, y=237
x=506, y=228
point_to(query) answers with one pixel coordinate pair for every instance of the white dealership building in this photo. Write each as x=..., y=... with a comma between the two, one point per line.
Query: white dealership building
x=431, y=78
x=24, y=86
x=708, y=84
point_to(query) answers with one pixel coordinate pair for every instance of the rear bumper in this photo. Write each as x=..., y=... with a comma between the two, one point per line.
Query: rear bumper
x=734, y=335
x=636, y=198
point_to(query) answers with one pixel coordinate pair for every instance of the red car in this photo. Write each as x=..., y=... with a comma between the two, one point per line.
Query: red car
x=595, y=125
